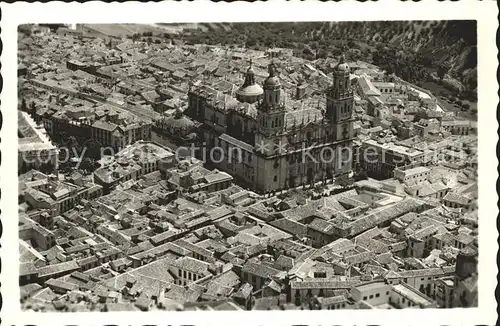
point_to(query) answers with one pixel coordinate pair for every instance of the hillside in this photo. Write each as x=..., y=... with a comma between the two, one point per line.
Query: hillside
x=419, y=51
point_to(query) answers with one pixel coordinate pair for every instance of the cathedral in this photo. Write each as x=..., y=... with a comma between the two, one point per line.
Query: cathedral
x=268, y=146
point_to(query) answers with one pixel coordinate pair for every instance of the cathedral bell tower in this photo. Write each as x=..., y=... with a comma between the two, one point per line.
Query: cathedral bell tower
x=270, y=164
x=271, y=116
x=339, y=107
x=340, y=102
x=340, y=97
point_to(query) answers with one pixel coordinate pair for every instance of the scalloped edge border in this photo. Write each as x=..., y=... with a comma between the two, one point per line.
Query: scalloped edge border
x=1, y=124
x=497, y=288
x=229, y=1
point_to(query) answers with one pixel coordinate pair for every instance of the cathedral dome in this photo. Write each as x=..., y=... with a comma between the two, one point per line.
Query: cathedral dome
x=250, y=70
x=250, y=90
x=180, y=123
x=272, y=80
x=342, y=66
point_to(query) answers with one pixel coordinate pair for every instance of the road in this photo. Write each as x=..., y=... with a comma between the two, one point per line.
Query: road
x=427, y=96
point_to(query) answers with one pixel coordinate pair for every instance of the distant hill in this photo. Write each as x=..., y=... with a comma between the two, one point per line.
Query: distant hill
x=450, y=46
x=415, y=50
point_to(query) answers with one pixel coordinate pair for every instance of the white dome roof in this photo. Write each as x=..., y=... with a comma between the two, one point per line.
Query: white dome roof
x=342, y=67
x=250, y=90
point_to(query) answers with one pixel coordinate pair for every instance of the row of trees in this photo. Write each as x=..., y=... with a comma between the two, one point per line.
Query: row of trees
x=286, y=35
x=417, y=68
x=320, y=40
x=88, y=150
x=401, y=64
x=314, y=40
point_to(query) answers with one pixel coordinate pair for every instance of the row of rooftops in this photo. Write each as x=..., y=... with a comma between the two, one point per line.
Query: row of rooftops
x=196, y=266
x=150, y=226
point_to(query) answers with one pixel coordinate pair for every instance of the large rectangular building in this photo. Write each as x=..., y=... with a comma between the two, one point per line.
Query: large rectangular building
x=270, y=146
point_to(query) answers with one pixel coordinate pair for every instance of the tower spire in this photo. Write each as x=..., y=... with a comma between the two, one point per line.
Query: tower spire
x=250, y=76
x=272, y=89
x=339, y=101
x=272, y=69
x=342, y=58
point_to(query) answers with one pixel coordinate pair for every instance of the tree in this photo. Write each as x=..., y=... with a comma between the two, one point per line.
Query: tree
x=46, y=168
x=23, y=105
x=93, y=149
x=298, y=301
x=71, y=142
x=125, y=222
x=251, y=42
x=361, y=175
x=32, y=108
x=88, y=164
x=441, y=71
x=344, y=181
x=389, y=69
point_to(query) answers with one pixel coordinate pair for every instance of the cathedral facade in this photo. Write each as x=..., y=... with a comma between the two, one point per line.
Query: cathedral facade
x=264, y=144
